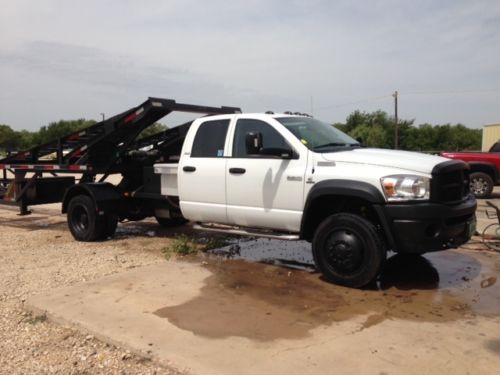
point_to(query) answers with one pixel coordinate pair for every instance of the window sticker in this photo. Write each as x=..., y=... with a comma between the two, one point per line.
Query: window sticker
x=220, y=153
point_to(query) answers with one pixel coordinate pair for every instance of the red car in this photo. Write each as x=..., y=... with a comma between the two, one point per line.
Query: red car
x=484, y=168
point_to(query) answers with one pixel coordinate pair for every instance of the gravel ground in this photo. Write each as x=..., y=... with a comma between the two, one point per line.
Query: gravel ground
x=37, y=254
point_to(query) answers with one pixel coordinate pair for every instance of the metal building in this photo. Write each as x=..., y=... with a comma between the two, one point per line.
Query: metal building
x=491, y=134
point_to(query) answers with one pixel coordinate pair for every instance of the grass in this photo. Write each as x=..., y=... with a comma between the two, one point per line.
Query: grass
x=183, y=245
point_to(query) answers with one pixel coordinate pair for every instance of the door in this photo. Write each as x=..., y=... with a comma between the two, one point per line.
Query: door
x=263, y=190
x=202, y=173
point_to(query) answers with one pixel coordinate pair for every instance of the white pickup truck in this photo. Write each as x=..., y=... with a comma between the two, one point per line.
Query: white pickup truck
x=286, y=176
x=294, y=177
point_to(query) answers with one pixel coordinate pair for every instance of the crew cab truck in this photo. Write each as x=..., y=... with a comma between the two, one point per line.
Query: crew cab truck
x=286, y=176
x=484, y=169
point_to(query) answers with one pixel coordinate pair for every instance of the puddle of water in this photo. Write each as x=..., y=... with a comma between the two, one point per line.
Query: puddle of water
x=292, y=254
x=264, y=302
x=35, y=222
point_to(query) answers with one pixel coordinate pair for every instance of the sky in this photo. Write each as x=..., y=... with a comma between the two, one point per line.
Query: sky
x=65, y=59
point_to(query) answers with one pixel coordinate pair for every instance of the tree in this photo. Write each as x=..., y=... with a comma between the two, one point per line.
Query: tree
x=9, y=139
x=26, y=139
x=377, y=130
x=153, y=129
x=59, y=129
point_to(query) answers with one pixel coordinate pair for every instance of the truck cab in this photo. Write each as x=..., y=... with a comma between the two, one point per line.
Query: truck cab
x=294, y=177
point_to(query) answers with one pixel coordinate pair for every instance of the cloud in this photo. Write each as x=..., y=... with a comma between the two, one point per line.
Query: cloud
x=83, y=78
x=257, y=54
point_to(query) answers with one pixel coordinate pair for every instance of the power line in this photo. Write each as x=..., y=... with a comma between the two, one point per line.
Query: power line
x=428, y=92
x=355, y=102
x=464, y=91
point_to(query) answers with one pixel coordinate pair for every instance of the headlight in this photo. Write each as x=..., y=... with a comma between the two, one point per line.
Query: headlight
x=405, y=187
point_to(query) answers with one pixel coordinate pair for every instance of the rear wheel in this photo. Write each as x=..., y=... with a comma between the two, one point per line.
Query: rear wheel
x=348, y=250
x=110, y=221
x=481, y=184
x=83, y=221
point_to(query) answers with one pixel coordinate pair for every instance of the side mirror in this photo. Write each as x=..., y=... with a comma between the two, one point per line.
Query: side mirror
x=253, y=143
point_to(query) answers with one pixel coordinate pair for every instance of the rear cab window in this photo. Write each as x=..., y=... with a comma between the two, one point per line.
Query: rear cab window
x=210, y=139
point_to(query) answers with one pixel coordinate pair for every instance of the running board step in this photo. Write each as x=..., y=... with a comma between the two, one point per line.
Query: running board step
x=246, y=232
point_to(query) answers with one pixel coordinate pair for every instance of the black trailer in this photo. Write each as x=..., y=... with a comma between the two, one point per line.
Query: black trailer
x=46, y=173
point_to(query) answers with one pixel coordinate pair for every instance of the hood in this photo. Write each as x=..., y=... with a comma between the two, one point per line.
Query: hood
x=469, y=154
x=406, y=160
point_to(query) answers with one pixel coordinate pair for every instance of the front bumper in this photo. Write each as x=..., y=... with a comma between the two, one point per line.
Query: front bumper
x=424, y=227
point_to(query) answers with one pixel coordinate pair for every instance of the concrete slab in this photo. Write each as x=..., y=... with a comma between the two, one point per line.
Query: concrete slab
x=227, y=317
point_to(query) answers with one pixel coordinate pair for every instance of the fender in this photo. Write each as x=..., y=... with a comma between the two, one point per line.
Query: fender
x=103, y=193
x=352, y=188
x=343, y=188
x=486, y=167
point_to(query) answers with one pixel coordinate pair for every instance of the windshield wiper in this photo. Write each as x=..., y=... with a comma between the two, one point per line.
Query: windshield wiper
x=331, y=144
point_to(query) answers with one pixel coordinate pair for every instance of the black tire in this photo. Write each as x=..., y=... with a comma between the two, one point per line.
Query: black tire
x=83, y=221
x=481, y=184
x=348, y=250
x=171, y=222
x=110, y=221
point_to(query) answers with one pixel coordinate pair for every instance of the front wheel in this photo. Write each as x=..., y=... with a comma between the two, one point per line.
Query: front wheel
x=348, y=250
x=481, y=185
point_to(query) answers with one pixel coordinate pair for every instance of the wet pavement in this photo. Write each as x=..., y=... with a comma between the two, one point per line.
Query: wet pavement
x=265, y=302
x=224, y=314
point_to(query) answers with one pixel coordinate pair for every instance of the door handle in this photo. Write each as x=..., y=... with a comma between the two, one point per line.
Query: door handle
x=188, y=168
x=237, y=170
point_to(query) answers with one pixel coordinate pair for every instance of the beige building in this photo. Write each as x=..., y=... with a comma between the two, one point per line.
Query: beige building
x=491, y=134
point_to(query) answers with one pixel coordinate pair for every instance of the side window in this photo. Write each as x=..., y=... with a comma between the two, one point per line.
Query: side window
x=270, y=137
x=209, y=139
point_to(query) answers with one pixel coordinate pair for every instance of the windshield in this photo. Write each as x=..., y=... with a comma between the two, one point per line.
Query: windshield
x=316, y=135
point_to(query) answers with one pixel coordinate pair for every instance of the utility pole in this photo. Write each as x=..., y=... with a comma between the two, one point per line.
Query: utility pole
x=102, y=114
x=396, y=135
x=312, y=106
